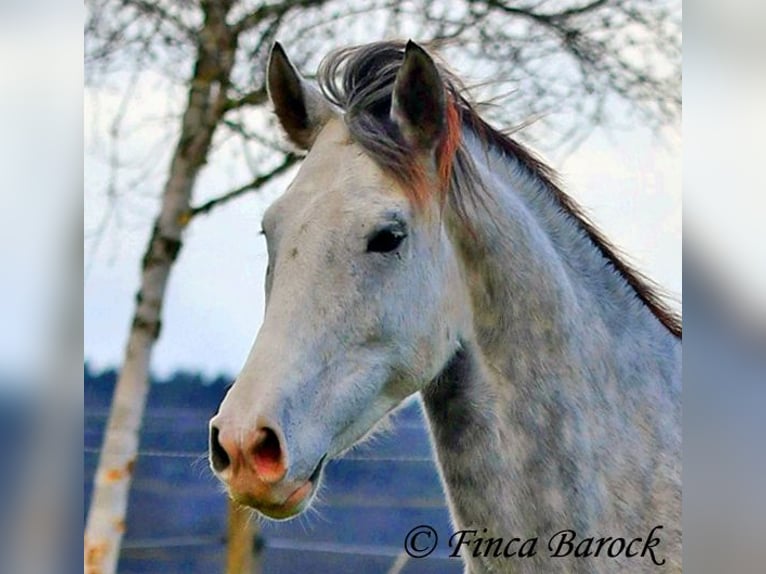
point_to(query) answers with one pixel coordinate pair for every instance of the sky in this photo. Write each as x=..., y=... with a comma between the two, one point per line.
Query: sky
x=628, y=180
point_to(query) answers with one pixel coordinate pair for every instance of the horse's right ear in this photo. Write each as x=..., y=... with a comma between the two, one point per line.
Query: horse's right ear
x=300, y=107
x=418, y=105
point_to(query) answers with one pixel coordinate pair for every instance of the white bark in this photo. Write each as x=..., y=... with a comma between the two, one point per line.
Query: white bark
x=207, y=101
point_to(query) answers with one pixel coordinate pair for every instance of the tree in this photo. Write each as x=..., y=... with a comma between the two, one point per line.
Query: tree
x=556, y=55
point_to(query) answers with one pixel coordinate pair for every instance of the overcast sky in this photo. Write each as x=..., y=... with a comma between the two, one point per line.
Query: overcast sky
x=628, y=181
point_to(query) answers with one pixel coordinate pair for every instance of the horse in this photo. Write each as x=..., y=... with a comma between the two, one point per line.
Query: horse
x=420, y=250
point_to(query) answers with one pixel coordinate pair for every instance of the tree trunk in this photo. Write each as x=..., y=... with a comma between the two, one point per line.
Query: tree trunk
x=206, y=104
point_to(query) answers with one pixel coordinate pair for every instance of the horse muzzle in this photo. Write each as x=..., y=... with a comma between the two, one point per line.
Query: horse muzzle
x=253, y=465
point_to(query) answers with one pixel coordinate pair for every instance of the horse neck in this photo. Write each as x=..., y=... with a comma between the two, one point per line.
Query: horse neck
x=537, y=281
x=564, y=380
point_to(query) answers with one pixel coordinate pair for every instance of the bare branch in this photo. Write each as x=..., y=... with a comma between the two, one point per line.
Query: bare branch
x=290, y=160
x=253, y=98
x=265, y=12
x=581, y=10
x=155, y=10
x=239, y=128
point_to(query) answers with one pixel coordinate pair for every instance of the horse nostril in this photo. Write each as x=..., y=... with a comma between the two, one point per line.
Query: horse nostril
x=218, y=455
x=267, y=455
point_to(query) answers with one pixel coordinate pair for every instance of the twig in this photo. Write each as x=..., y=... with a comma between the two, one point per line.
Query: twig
x=289, y=161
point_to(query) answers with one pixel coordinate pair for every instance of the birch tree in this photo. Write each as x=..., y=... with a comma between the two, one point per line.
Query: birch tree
x=551, y=56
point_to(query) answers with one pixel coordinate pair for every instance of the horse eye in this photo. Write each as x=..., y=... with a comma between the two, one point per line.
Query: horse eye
x=385, y=240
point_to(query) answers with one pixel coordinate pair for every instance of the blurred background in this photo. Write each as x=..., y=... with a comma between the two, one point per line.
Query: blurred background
x=615, y=138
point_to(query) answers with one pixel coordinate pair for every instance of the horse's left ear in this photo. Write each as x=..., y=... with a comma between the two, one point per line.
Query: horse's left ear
x=300, y=107
x=418, y=104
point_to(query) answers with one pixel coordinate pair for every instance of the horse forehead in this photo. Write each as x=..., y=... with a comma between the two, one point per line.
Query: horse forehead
x=338, y=168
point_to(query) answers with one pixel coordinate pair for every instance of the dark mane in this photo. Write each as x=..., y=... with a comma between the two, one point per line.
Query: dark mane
x=360, y=81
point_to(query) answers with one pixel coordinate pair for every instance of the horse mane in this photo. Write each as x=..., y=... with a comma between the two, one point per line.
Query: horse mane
x=360, y=81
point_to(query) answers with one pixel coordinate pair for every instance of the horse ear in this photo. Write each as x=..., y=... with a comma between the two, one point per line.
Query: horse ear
x=418, y=105
x=300, y=107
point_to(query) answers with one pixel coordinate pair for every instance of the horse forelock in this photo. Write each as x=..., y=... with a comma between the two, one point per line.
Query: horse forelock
x=360, y=81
